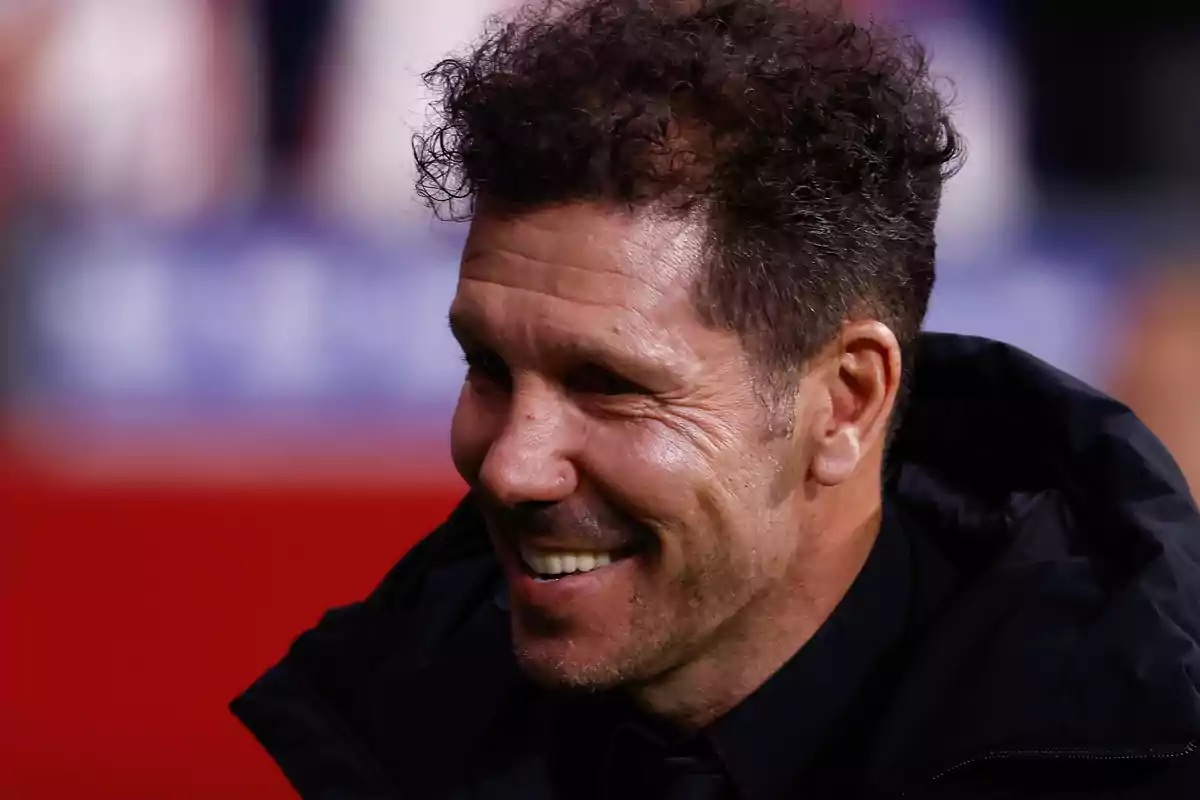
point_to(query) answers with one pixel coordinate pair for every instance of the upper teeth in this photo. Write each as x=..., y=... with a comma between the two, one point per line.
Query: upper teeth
x=546, y=562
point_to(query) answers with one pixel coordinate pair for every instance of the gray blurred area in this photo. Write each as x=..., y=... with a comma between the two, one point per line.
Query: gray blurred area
x=208, y=228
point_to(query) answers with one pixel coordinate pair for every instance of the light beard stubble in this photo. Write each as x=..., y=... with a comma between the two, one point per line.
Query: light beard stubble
x=658, y=643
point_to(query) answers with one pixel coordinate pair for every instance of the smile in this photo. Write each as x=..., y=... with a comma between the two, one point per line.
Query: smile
x=553, y=564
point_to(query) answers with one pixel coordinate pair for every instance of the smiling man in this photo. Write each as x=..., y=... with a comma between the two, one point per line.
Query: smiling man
x=643, y=492
x=703, y=554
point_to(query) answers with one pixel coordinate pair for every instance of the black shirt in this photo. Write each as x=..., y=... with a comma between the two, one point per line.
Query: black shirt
x=801, y=722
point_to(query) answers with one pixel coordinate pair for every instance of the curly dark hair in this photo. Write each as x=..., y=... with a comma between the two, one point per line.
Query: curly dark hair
x=815, y=145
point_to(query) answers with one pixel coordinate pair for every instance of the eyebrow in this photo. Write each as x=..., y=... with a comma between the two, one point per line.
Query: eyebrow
x=653, y=372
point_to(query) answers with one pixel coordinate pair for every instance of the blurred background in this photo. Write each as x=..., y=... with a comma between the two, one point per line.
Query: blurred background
x=225, y=379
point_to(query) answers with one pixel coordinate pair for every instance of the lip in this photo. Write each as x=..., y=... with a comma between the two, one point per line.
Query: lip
x=564, y=546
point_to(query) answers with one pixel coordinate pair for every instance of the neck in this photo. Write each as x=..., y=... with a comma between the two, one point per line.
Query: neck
x=751, y=646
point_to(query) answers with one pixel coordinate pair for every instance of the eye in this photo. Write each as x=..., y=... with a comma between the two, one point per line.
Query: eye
x=597, y=380
x=486, y=367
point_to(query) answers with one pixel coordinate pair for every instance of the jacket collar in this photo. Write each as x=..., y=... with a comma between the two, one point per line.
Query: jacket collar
x=1079, y=544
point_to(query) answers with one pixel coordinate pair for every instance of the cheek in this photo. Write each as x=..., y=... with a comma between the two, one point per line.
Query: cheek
x=663, y=479
x=714, y=511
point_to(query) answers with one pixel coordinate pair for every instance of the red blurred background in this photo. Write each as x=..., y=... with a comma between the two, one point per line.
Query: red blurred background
x=131, y=614
x=225, y=379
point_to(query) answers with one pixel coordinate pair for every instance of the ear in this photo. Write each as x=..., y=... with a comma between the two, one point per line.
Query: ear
x=859, y=378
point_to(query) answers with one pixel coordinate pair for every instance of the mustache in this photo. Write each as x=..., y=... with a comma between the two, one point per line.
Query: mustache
x=595, y=523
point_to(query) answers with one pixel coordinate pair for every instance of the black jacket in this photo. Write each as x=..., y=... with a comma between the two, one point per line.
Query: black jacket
x=1067, y=666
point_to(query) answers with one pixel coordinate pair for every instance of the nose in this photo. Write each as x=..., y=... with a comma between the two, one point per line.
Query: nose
x=528, y=463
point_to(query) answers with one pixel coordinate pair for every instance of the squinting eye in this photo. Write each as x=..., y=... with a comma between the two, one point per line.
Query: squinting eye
x=598, y=380
x=489, y=368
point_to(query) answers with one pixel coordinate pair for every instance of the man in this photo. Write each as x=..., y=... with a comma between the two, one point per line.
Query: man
x=700, y=251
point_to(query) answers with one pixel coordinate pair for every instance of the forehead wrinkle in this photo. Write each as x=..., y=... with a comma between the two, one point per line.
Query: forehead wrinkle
x=482, y=266
x=680, y=251
x=586, y=300
x=544, y=234
x=624, y=242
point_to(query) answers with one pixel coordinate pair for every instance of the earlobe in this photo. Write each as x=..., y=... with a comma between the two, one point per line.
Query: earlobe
x=838, y=456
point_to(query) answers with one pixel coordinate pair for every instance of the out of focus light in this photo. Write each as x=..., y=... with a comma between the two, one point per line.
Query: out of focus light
x=183, y=296
x=122, y=106
x=375, y=99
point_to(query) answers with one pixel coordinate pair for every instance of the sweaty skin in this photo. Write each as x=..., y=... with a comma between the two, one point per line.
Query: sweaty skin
x=601, y=420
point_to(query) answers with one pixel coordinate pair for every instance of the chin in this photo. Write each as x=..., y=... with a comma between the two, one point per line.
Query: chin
x=555, y=670
x=559, y=653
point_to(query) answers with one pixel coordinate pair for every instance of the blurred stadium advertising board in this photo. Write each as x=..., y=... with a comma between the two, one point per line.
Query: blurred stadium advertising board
x=257, y=348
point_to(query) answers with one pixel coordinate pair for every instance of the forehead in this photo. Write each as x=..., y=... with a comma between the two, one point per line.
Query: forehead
x=585, y=249
x=582, y=260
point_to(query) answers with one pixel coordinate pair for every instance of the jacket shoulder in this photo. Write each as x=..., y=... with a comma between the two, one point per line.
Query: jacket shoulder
x=357, y=704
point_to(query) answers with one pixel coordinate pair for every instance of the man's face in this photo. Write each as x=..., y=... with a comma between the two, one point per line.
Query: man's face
x=633, y=482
